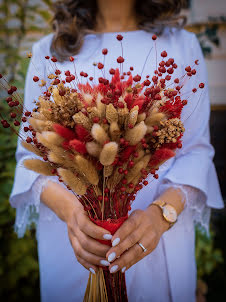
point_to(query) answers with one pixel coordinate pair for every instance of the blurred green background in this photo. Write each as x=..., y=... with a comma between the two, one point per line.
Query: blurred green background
x=21, y=23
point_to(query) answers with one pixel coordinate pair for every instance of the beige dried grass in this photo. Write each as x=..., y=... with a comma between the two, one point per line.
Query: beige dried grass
x=93, y=149
x=75, y=183
x=31, y=148
x=38, y=166
x=108, y=153
x=135, y=134
x=83, y=120
x=111, y=114
x=87, y=169
x=99, y=134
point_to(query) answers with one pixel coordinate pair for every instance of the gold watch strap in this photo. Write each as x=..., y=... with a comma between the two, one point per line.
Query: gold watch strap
x=161, y=204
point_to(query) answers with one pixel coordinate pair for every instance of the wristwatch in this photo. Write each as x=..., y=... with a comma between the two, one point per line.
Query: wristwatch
x=168, y=212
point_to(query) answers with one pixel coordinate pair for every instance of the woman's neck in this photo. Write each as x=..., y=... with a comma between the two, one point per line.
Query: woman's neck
x=116, y=16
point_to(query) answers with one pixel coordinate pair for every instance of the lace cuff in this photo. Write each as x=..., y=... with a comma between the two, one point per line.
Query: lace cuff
x=195, y=201
x=27, y=212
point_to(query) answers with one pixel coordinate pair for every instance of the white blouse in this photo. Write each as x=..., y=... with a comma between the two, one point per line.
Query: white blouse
x=168, y=274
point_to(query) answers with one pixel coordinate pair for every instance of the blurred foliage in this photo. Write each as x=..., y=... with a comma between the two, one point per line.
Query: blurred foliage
x=19, y=276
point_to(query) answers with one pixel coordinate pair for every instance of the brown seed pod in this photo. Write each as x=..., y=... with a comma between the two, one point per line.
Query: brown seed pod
x=108, y=153
x=39, y=166
x=111, y=114
x=83, y=120
x=75, y=183
x=115, y=131
x=87, y=169
x=132, y=118
x=108, y=171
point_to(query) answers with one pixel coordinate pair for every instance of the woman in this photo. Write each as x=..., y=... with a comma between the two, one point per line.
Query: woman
x=158, y=259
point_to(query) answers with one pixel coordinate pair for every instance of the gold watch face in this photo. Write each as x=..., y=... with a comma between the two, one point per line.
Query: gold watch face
x=169, y=213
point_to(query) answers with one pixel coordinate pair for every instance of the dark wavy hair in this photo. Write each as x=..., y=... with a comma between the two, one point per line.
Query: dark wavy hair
x=75, y=18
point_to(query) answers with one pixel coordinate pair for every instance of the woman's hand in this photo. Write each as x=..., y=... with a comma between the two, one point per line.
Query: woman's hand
x=82, y=232
x=83, y=235
x=145, y=227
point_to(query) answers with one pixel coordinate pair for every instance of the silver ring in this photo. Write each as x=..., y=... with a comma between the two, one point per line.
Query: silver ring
x=143, y=248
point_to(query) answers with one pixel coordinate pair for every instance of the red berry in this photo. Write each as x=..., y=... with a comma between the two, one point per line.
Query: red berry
x=121, y=105
x=131, y=185
x=119, y=37
x=71, y=59
x=194, y=90
x=57, y=71
x=156, y=176
x=27, y=113
x=13, y=114
x=201, y=85
x=145, y=183
x=100, y=65
x=106, y=190
x=35, y=79
x=176, y=81
x=124, y=181
x=54, y=59
x=91, y=78
x=164, y=54
x=26, y=129
x=67, y=73
x=28, y=140
x=179, y=145
x=120, y=60
x=193, y=71
x=137, y=78
x=125, y=172
x=96, y=119
x=184, y=102
x=47, y=57
x=196, y=62
x=131, y=68
x=100, y=197
x=120, y=170
x=154, y=37
x=168, y=77
x=188, y=69
x=130, y=126
x=104, y=51
x=106, y=198
x=24, y=119
x=122, y=189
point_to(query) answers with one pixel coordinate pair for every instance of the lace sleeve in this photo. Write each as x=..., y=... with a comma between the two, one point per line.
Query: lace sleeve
x=27, y=212
x=195, y=201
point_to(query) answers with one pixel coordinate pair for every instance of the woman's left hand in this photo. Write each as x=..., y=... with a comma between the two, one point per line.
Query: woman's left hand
x=145, y=227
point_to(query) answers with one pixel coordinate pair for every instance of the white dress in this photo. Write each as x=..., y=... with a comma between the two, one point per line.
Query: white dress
x=168, y=274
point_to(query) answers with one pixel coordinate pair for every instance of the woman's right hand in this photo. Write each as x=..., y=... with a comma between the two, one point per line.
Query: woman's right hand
x=83, y=235
x=82, y=232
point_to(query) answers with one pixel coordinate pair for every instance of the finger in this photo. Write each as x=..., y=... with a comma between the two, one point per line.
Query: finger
x=149, y=243
x=92, y=268
x=127, y=227
x=86, y=256
x=135, y=253
x=91, y=245
x=129, y=241
x=91, y=229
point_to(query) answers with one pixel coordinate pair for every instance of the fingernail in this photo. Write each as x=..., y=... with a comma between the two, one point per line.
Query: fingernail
x=123, y=269
x=92, y=270
x=104, y=262
x=114, y=269
x=107, y=236
x=111, y=257
x=115, y=241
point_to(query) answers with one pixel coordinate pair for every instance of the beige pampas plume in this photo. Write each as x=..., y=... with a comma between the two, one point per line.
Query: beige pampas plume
x=52, y=137
x=93, y=149
x=135, y=134
x=37, y=125
x=38, y=166
x=31, y=148
x=62, y=159
x=87, y=169
x=83, y=120
x=108, y=153
x=100, y=106
x=141, y=117
x=99, y=134
x=43, y=141
x=132, y=118
x=75, y=183
x=115, y=131
x=38, y=116
x=87, y=97
x=111, y=114
x=155, y=118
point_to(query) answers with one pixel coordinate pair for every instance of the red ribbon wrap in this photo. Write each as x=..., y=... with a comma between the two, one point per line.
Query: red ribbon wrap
x=112, y=225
